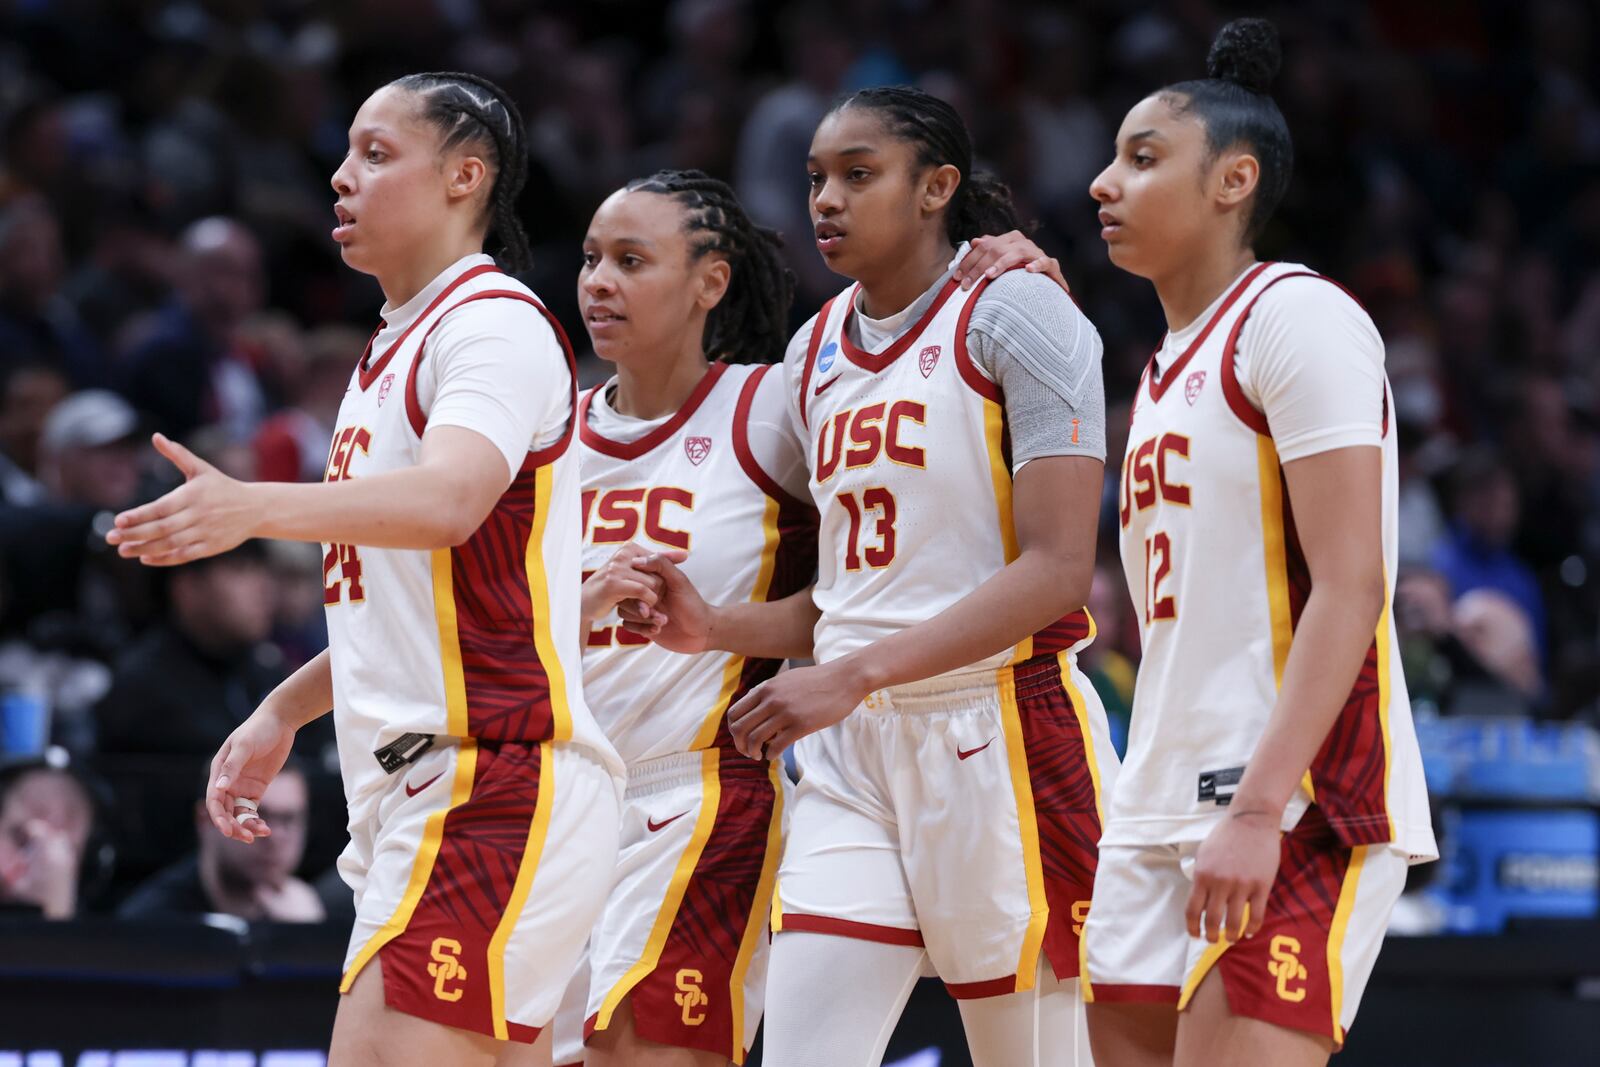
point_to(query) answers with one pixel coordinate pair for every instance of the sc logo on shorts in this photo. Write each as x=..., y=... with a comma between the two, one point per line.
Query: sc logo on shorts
x=1286, y=967
x=446, y=968
x=690, y=997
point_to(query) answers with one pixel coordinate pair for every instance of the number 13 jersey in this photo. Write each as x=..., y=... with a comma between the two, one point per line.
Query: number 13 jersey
x=1218, y=578
x=911, y=472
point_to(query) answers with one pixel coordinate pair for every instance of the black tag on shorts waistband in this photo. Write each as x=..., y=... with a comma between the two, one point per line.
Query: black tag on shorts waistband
x=402, y=751
x=1219, y=786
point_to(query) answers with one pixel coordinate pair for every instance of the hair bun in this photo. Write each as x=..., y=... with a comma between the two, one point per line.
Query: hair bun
x=1246, y=52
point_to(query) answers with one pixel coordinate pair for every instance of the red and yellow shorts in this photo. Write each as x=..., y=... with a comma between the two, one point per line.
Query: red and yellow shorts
x=684, y=935
x=1307, y=967
x=477, y=879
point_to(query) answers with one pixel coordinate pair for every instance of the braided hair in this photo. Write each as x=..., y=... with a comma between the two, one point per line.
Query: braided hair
x=469, y=110
x=750, y=323
x=982, y=203
x=1234, y=104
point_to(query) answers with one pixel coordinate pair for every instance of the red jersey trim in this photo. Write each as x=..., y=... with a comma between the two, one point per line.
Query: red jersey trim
x=875, y=363
x=366, y=375
x=1231, y=389
x=970, y=373
x=635, y=449
x=741, y=442
x=883, y=935
x=994, y=987
x=1135, y=994
x=818, y=328
x=1158, y=387
x=536, y=458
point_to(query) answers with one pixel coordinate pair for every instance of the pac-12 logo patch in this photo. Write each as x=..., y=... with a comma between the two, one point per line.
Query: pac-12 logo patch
x=384, y=387
x=697, y=449
x=826, y=357
x=928, y=359
x=1192, y=386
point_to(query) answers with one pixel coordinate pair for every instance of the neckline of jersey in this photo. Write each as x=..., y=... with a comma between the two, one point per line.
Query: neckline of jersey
x=369, y=373
x=634, y=449
x=1159, y=383
x=876, y=362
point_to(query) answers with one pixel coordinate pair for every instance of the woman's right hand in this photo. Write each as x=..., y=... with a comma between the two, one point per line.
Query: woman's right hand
x=243, y=767
x=618, y=580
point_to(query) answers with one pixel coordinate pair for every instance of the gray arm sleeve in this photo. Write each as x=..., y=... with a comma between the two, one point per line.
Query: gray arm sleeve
x=1030, y=338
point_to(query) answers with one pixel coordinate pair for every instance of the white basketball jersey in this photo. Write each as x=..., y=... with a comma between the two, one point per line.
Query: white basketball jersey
x=911, y=472
x=480, y=640
x=1217, y=575
x=693, y=484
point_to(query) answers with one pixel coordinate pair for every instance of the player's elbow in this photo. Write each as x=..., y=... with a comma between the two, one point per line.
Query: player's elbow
x=456, y=520
x=1068, y=577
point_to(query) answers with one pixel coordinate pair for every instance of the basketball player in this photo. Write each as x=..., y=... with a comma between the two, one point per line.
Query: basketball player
x=689, y=450
x=1273, y=794
x=483, y=798
x=952, y=755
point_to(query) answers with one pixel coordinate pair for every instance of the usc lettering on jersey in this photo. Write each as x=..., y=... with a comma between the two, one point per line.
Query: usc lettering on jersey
x=479, y=640
x=911, y=472
x=1216, y=572
x=692, y=484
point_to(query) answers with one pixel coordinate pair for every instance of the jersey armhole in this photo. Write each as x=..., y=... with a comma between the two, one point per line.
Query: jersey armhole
x=536, y=458
x=818, y=328
x=1246, y=412
x=976, y=380
x=741, y=441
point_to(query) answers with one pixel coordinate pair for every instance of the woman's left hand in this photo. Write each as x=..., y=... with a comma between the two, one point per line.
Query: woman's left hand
x=990, y=257
x=207, y=515
x=1233, y=872
x=782, y=710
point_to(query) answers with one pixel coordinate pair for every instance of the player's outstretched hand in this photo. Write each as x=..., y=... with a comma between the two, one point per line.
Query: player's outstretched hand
x=990, y=257
x=1233, y=873
x=783, y=709
x=242, y=769
x=205, y=516
x=617, y=579
x=680, y=620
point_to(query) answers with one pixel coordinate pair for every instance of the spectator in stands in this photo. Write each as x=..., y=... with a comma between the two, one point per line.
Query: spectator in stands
x=292, y=446
x=47, y=817
x=36, y=321
x=89, y=451
x=29, y=391
x=58, y=576
x=191, y=368
x=1485, y=512
x=255, y=882
x=187, y=683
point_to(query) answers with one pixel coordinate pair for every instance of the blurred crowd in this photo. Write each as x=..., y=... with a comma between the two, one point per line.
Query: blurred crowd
x=165, y=265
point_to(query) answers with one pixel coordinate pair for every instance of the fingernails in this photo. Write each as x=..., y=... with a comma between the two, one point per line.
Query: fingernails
x=222, y=781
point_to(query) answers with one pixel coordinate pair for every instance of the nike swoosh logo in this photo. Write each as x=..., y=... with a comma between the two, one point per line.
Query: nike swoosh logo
x=653, y=826
x=963, y=753
x=410, y=792
x=826, y=384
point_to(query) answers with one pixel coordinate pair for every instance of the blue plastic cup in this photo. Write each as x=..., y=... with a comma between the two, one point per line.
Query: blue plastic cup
x=24, y=724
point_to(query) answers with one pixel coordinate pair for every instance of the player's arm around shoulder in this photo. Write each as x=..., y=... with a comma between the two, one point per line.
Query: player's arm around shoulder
x=1032, y=339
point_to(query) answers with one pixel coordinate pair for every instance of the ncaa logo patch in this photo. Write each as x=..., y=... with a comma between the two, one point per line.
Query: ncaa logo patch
x=384, y=387
x=697, y=449
x=927, y=359
x=1192, y=386
x=826, y=357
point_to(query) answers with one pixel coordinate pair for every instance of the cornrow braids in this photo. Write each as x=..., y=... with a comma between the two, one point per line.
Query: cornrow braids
x=750, y=323
x=470, y=110
x=982, y=203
